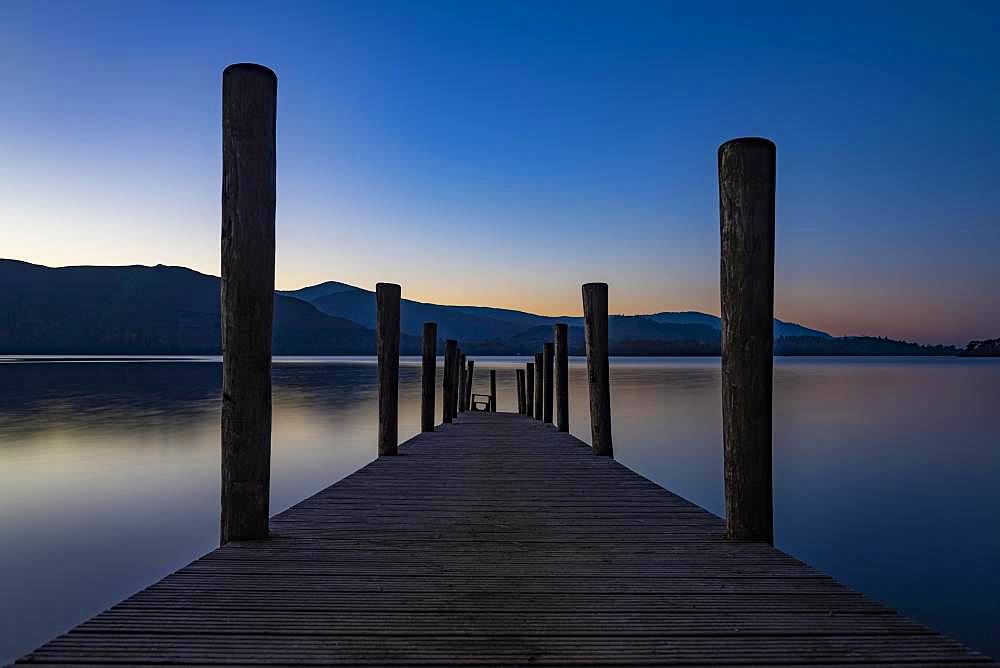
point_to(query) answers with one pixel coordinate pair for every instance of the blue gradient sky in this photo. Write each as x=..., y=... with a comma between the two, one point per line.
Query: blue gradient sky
x=503, y=153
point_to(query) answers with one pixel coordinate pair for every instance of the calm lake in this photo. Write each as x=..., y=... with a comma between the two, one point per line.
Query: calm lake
x=887, y=471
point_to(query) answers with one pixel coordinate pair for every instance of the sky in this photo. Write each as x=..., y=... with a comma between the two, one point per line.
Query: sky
x=503, y=153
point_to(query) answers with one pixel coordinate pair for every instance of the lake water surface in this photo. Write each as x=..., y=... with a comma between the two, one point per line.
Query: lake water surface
x=887, y=471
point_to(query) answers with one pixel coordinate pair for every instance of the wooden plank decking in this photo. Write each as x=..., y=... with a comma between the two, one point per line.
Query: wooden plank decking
x=497, y=540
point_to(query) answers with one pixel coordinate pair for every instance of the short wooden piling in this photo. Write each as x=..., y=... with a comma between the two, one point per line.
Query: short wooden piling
x=462, y=384
x=493, y=390
x=468, y=384
x=448, y=380
x=459, y=385
x=539, y=410
x=519, y=377
x=387, y=347
x=746, y=213
x=561, y=336
x=548, y=356
x=595, y=316
x=429, y=375
x=529, y=390
x=249, y=103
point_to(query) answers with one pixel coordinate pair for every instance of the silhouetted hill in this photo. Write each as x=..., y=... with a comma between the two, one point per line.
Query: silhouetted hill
x=148, y=310
x=781, y=328
x=163, y=310
x=496, y=325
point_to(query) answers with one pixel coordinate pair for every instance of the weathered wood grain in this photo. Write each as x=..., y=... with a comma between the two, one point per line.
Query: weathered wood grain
x=428, y=376
x=595, y=327
x=448, y=381
x=387, y=296
x=560, y=333
x=249, y=107
x=746, y=213
x=539, y=399
x=497, y=540
x=529, y=387
x=548, y=378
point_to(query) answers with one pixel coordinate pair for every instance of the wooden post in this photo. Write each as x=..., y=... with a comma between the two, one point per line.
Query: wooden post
x=548, y=356
x=429, y=369
x=539, y=386
x=448, y=380
x=461, y=383
x=468, y=385
x=493, y=390
x=249, y=104
x=595, y=316
x=519, y=377
x=387, y=347
x=459, y=378
x=561, y=335
x=529, y=389
x=746, y=215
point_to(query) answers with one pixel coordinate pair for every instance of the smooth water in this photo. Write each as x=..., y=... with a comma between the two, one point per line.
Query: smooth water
x=886, y=470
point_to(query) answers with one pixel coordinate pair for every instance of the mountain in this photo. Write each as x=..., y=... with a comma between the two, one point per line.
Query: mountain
x=149, y=310
x=495, y=325
x=164, y=310
x=316, y=291
x=781, y=328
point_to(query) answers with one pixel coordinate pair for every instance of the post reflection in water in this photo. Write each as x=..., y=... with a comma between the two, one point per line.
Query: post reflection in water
x=885, y=469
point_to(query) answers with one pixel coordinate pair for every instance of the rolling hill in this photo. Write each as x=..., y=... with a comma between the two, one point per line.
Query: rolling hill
x=148, y=310
x=163, y=310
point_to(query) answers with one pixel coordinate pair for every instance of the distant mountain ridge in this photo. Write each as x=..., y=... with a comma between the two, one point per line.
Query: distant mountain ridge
x=484, y=323
x=174, y=310
x=148, y=310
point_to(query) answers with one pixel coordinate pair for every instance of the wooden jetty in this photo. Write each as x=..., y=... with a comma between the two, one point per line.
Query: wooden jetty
x=494, y=538
x=499, y=540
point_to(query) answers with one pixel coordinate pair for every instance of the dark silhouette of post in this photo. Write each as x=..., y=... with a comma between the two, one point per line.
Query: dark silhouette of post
x=468, y=385
x=561, y=336
x=595, y=317
x=539, y=386
x=493, y=390
x=519, y=376
x=463, y=384
x=387, y=347
x=548, y=356
x=459, y=381
x=448, y=380
x=249, y=105
x=429, y=375
x=529, y=389
x=746, y=216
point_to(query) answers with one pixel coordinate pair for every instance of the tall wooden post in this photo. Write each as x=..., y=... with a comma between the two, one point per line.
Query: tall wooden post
x=561, y=335
x=548, y=356
x=519, y=377
x=493, y=390
x=249, y=106
x=429, y=375
x=468, y=385
x=539, y=409
x=529, y=389
x=595, y=316
x=746, y=215
x=387, y=347
x=448, y=380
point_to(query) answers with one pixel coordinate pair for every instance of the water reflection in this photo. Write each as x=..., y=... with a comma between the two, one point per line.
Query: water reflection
x=885, y=470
